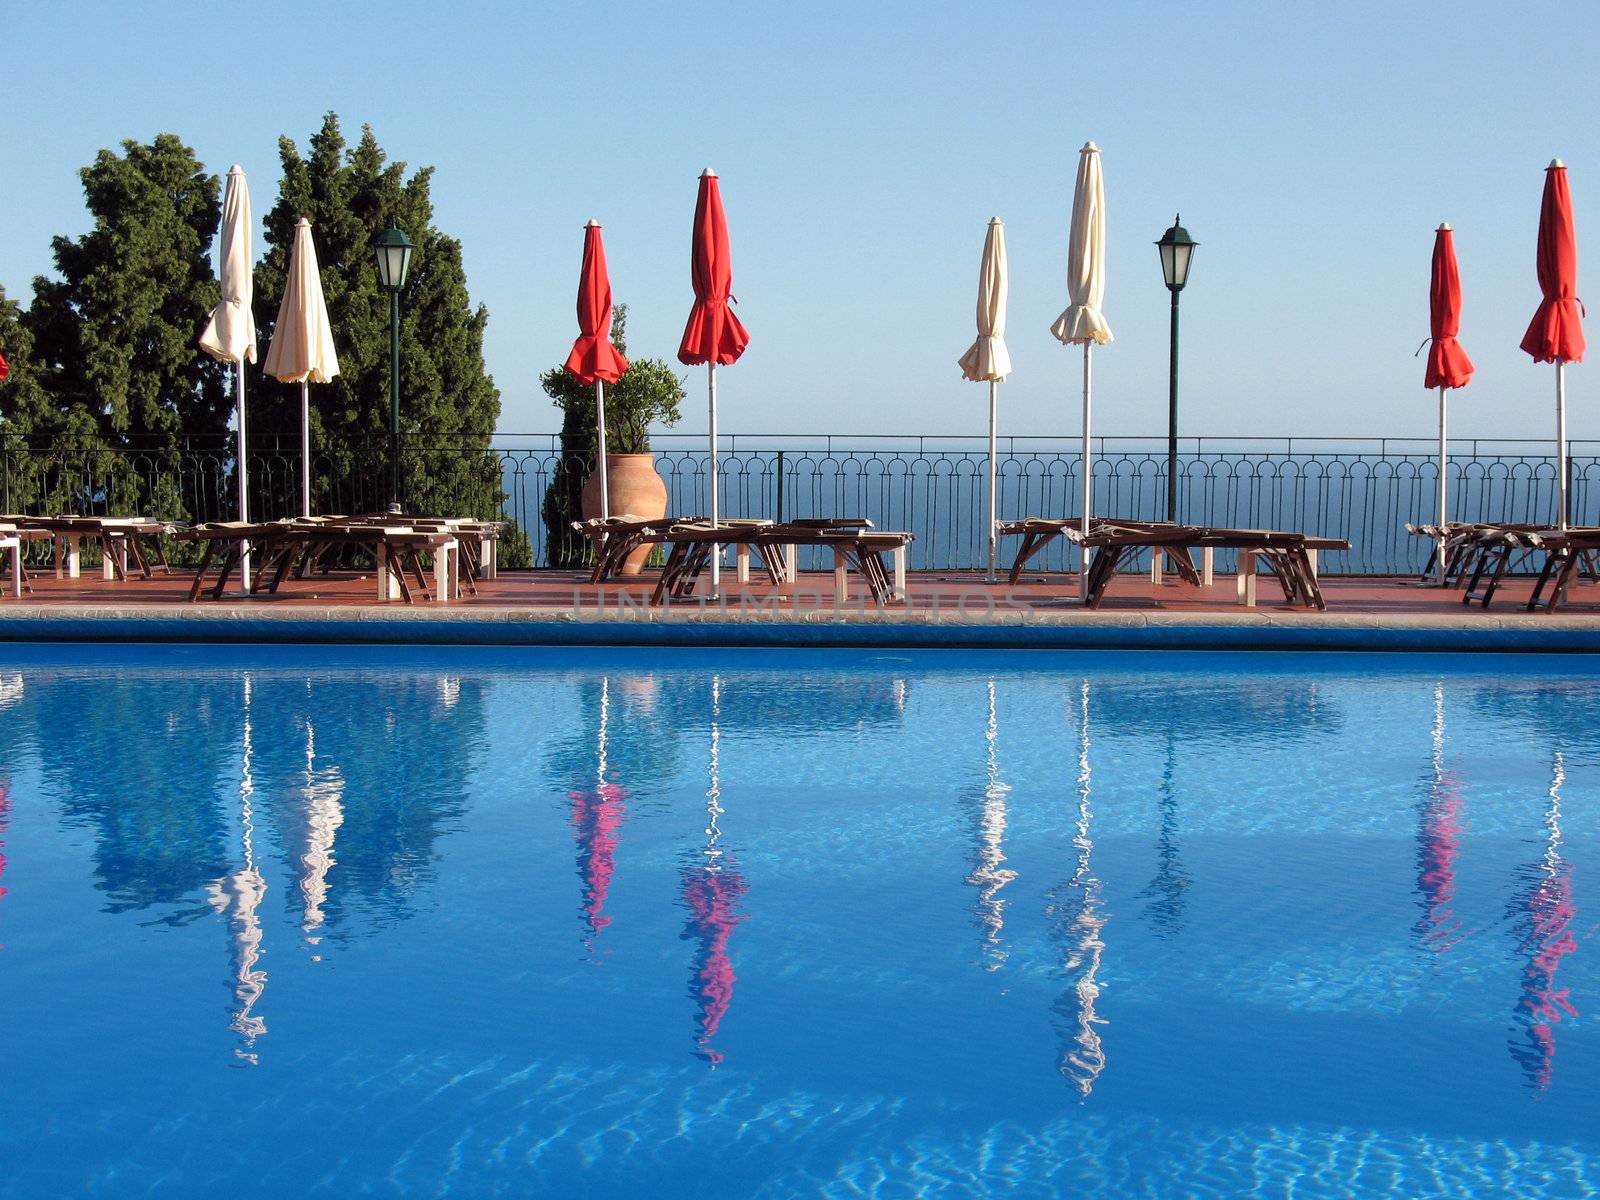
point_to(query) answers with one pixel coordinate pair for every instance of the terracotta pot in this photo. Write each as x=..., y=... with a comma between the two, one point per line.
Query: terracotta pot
x=637, y=490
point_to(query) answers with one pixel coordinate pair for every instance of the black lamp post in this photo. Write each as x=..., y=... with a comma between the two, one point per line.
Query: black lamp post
x=1177, y=248
x=393, y=249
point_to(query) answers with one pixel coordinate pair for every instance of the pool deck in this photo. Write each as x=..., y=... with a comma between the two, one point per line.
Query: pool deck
x=945, y=609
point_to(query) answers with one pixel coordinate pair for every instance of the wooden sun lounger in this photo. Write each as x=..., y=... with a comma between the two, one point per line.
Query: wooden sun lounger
x=283, y=544
x=120, y=539
x=615, y=538
x=1566, y=552
x=479, y=540
x=1039, y=532
x=1473, y=550
x=852, y=541
x=1289, y=557
x=11, y=550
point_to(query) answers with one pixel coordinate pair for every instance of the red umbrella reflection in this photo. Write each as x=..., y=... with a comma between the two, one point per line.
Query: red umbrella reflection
x=1547, y=938
x=711, y=893
x=596, y=820
x=1440, y=836
x=597, y=814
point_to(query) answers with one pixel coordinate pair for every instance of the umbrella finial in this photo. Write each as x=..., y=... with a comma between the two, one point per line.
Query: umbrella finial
x=996, y=221
x=591, y=223
x=1556, y=165
x=1444, y=227
x=708, y=173
x=1089, y=147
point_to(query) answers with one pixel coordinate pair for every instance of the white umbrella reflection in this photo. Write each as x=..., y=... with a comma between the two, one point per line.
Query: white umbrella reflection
x=988, y=875
x=239, y=897
x=1077, y=908
x=323, y=793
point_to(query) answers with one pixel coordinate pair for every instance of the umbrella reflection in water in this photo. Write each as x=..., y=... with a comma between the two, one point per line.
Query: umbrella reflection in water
x=323, y=792
x=597, y=814
x=712, y=888
x=988, y=875
x=1077, y=918
x=5, y=819
x=1439, y=843
x=1168, y=892
x=1545, y=918
x=239, y=895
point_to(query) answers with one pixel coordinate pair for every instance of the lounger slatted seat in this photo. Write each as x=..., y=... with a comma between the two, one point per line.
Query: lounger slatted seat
x=853, y=543
x=285, y=545
x=1565, y=553
x=120, y=539
x=615, y=538
x=1476, y=551
x=1112, y=542
x=1039, y=532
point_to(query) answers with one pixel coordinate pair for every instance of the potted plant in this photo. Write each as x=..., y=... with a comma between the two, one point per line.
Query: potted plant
x=648, y=392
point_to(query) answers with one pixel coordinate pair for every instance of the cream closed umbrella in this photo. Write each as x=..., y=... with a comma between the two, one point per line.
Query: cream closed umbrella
x=230, y=335
x=302, y=342
x=1083, y=323
x=988, y=360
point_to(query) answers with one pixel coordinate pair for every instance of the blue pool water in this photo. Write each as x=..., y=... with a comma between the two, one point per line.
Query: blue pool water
x=285, y=921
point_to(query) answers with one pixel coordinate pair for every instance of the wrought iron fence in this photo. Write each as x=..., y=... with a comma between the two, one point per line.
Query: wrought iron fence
x=1362, y=490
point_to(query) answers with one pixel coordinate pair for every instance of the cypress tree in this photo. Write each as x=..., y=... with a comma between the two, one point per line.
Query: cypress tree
x=448, y=400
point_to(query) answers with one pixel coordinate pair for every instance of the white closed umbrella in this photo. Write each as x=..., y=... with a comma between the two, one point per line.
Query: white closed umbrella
x=988, y=360
x=230, y=335
x=1083, y=323
x=302, y=342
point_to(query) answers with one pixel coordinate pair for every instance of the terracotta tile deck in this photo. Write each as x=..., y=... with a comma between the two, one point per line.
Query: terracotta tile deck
x=952, y=594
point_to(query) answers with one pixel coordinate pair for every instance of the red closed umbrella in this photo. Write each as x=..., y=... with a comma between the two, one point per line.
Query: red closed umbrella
x=713, y=334
x=1448, y=364
x=594, y=359
x=1556, y=331
x=5, y=367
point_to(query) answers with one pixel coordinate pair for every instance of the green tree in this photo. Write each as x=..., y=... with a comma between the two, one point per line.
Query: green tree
x=115, y=335
x=448, y=401
x=33, y=431
x=649, y=392
x=121, y=385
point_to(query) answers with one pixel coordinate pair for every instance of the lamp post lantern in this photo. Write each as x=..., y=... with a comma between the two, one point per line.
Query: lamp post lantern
x=393, y=249
x=1177, y=249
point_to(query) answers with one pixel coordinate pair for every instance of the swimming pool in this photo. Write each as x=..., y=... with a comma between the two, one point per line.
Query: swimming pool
x=460, y=921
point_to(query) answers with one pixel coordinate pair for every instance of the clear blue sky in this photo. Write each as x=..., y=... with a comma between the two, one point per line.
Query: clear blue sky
x=863, y=147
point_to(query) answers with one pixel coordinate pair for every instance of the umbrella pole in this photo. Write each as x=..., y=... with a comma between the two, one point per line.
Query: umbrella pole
x=1564, y=514
x=600, y=453
x=244, y=481
x=305, y=448
x=1088, y=476
x=716, y=557
x=994, y=424
x=1444, y=467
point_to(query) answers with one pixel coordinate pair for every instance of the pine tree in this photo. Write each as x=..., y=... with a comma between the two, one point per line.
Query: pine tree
x=448, y=400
